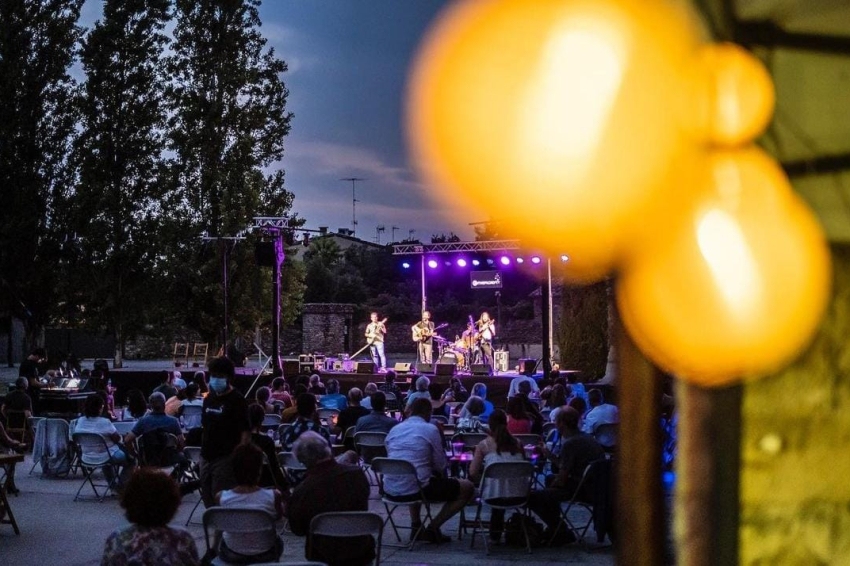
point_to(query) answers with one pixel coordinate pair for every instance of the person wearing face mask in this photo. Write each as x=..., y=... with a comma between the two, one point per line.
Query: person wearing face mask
x=225, y=425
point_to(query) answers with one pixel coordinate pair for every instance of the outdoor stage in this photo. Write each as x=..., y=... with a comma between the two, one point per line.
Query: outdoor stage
x=148, y=375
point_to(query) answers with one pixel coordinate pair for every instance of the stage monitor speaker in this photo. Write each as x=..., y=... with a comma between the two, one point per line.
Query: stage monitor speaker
x=401, y=368
x=444, y=369
x=264, y=254
x=481, y=369
x=290, y=368
x=527, y=366
x=424, y=368
x=365, y=367
x=500, y=360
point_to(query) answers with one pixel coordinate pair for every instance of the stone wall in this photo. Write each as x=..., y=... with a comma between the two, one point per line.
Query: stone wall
x=795, y=468
x=328, y=328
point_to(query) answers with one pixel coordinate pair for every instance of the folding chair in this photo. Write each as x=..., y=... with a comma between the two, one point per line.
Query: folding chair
x=348, y=524
x=270, y=421
x=526, y=439
x=235, y=520
x=547, y=428
x=193, y=453
x=199, y=354
x=291, y=466
x=192, y=416
x=395, y=467
x=392, y=404
x=16, y=424
x=370, y=445
x=504, y=485
x=281, y=430
x=52, y=449
x=583, y=496
x=94, y=455
x=606, y=435
x=468, y=440
x=181, y=353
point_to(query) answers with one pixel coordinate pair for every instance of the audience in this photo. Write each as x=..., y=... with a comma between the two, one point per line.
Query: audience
x=499, y=446
x=157, y=422
x=513, y=390
x=420, y=442
x=377, y=420
x=167, y=386
x=389, y=386
x=150, y=500
x=349, y=416
x=422, y=385
x=316, y=385
x=471, y=422
x=333, y=399
x=531, y=409
x=600, y=412
x=557, y=400
x=272, y=475
x=280, y=392
x=519, y=422
x=328, y=486
x=92, y=422
x=18, y=400
x=289, y=414
x=264, y=394
x=191, y=400
x=480, y=390
x=455, y=392
x=9, y=443
x=136, y=406
x=262, y=546
x=370, y=389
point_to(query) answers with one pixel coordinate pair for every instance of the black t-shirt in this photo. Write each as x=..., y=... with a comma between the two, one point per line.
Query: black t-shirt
x=348, y=417
x=224, y=420
x=28, y=369
x=18, y=400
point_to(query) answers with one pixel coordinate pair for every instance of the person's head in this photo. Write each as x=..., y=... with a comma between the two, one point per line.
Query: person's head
x=94, y=406
x=355, y=396
x=136, y=403
x=515, y=409
x=474, y=406
x=422, y=384
x=485, y=316
x=390, y=376
x=199, y=377
x=371, y=389
x=38, y=354
x=263, y=395
x=578, y=404
x=175, y=375
x=567, y=420
x=373, y=317
x=306, y=405
x=247, y=461
x=594, y=398
x=278, y=383
x=426, y=315
x=333, y=386
x=554, y=376
x=311, y=449
x=315, y=379
x=221, y=374
x=524, y=387
x=558, y=397
x=166, y=377
x=256, y=414
x=379, y=401
x=21, y=383
x=157, y=403
x=192, y=390
x=150, y=498
x=421, y=408
x=479, y=390
x=299, y=390
x=498, y=430
x=455, y=384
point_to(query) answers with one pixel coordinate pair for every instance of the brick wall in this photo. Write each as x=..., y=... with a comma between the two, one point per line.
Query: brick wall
x=328, y=328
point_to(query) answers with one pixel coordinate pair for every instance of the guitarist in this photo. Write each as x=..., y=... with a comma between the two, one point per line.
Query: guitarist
x=423, y=333
x=375, y=332
x=487, y=331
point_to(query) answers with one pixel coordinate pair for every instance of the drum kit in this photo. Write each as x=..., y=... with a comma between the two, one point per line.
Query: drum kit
x=459, y=352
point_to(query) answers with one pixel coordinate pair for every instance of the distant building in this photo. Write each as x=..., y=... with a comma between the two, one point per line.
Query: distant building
x=343, y=237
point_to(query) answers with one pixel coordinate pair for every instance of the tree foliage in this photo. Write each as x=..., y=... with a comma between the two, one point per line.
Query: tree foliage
x=583, y=332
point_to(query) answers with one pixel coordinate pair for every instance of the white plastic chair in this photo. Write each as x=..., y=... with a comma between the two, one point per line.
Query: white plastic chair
x=192, y=416
x=502, y=481
x=234, y=520
x=349, y=524
x=396, y=467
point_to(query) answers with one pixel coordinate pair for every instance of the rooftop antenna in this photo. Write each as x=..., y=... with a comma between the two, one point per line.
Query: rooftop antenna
x=353, y=202
x=394, y=228
x=378, y=229
x=410, y=234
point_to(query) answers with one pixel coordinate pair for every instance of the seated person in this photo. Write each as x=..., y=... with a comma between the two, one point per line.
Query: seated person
x=531, y=408
x=422, y=391
x=370, y=389
x=92, y=422
x=264, y=394
x=333, y=399
x=167, y=386
x=247, y=460
x=328, y=486
x=377, y=420
x=577, y=451
x=136, y=406
x=349, y=416
x=280, y=392
x=480, y=390
x=600, y=412
x=272, y=475
x=519, y=422
x=9, y=443
x=473, y=409
x=455, y=392
x=389, y=386
x=418, y=441
x=156, y=449
x=18, y=400
x=150, y=500
x=192, y=400
x=316, y=386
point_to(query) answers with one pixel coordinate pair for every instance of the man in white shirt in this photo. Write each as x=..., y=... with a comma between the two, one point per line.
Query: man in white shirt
x=600, y=413
x=419, y=442
x=514, y=388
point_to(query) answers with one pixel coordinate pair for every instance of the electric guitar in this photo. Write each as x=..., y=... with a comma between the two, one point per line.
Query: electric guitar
x=420, y=334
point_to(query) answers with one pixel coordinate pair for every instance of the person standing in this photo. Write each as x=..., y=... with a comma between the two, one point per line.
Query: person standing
x=423, y=333
x=487, y=331
x=30, y=369
x=225, y=426
x=376, y=330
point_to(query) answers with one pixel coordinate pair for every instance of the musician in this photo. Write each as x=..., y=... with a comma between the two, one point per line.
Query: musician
x=423, y=332
x=375, y=332
x=487, y=331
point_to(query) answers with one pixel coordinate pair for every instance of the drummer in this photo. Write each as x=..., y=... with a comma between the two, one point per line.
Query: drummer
x=470, y=337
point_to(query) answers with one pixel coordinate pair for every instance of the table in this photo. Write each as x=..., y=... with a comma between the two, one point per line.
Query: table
x=9, y=519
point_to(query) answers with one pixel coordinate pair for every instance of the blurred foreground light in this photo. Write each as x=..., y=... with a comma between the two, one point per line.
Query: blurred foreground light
x=461, y=262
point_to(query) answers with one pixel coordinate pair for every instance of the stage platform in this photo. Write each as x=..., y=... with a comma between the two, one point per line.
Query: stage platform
x=148, y=376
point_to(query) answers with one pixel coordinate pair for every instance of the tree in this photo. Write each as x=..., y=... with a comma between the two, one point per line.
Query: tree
x=118, y=202
x=37, y=47
x=583, y=332
x=228, y=124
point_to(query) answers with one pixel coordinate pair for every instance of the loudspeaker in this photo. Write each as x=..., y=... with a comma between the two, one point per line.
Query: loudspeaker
x=264, y=254
x=444, y=369
x=500, y=360
x=481, y=369
x=527, y=366
x=423, y=368
x=290, y=368
x=365, y=367
x=402, y=368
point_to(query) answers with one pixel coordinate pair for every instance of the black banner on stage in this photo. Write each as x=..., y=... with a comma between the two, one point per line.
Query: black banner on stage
x=485, y=279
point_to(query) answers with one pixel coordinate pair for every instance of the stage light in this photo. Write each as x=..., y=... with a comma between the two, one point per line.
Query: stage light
x=565, y=258
x=520, y=260
x=461, y=262
x=406, y=265
x=535, y=260
x=505, y=260
x=476, y=263
x=432, y=263
x=490, y=261
x=448, y=263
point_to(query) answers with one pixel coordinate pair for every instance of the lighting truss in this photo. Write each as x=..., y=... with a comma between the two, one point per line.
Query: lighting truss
x=454, y=247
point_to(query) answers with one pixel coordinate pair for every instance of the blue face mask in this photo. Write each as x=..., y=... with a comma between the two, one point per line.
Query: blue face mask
x=218, y=384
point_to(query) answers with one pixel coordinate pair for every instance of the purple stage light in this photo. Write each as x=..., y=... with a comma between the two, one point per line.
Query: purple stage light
x=535, y=260
x=520, y=260
x=505, y=260
x=476, y=263
x=432, y=263
x=448, y=263
x=490, y=261
x=406, y=265
x=461, y=262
